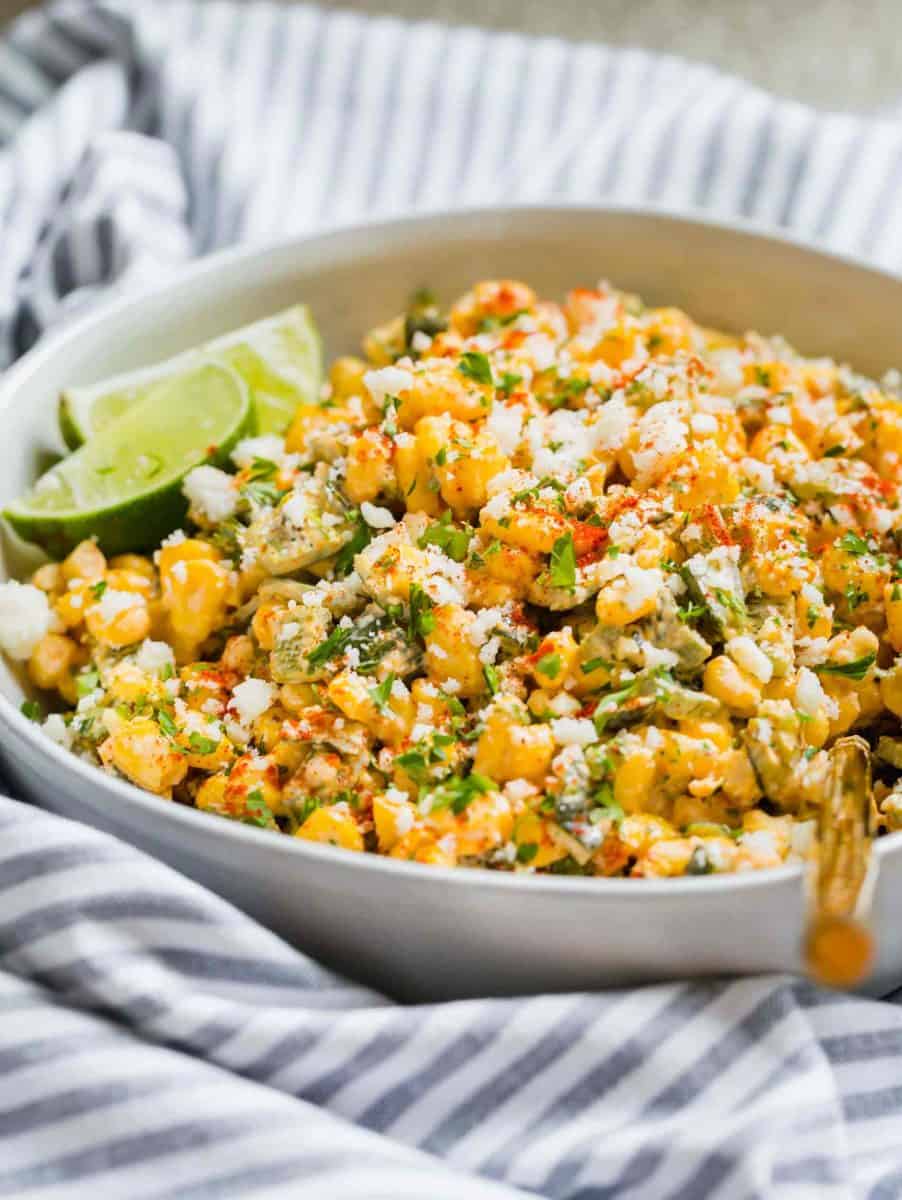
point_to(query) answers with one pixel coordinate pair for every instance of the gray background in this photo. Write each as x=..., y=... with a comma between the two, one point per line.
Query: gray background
x=840, y=54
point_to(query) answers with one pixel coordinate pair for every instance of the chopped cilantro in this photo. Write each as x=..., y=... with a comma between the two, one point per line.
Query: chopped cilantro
x=442, y=457
x=594, y=664
x=202, y=745
x=835, y=451
x=491, y=678
x=856, y=669
x=550, y=665
x=422, y=618
x=526, y=852
x=852, y=543
x=166, y=723
x=613, y=551
x=509, y=381
x=381, y=693
x=476, y=366
x=456, y=792
x=86, y=682
x=31, y=709
x=256, y=810
x=453, y=541
x=98, y=588
x=563, y=562
x=699, y=863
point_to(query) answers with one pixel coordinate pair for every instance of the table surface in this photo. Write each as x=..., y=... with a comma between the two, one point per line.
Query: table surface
x=832, y=53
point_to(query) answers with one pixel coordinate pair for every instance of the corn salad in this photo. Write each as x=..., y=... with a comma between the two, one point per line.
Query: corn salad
x=580, y=588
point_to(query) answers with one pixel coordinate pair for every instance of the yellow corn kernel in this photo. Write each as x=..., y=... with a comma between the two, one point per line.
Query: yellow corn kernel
x=137, y=564
x=390, y=721
x=634, y=778
x=267, y=621
x=385, y=343
x=196, y=589
x=779, y=446
x=296, y=697
x=466, y=474
x=859, y=576
x=49, y=578
x=122, y=579
x=506, y=573
x=555, y=660
x=333, y=826
x=422, y=846
x=486, y=823
x=118, y=625
x=443, y=389
x=393, y=816
x=489, y=298
x=629, y=597
x=813, y=618
x=720, y=733
x=532, y=529
x=892, y=603
x=449, y=652
x=705, y=476
x=851, y=646
x=255, y=777
x=508, y=748
x=369, y=471
x=346, y=378
x=211, y=795
x=128, y=683
x=85, y=562
x=653, y=548
x=891, y=689
x=140, y=751
x=530, y=830
x=52, y=658
x=666, y=858
x=736, y=688
x=639, y=831
x=416, y=479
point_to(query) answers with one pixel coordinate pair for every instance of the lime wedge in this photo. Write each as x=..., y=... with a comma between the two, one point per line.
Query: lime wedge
x=279, y=358
x=124, y=485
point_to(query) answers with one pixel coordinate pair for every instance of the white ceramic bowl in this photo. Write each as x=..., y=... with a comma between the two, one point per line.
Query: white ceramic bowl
x=422, y=932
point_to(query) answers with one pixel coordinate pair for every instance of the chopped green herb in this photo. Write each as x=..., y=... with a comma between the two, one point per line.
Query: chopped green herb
x=853, y=544
x=166, y=723
x=86, y=682
x=476, y=366
x=442, y=457
x=595, y=664
x=563, y=562
x=31, y=709
x=256, y=810
x=856, y=669
x=526, y=852
x=550, y=665
x=381, y=693
x=453, y=541
x=98, y=588
x=422, y=618
x=509, y=381
x=699, y=863
x=202, y=745
x=835, y=451
x=491, y=678
x=456, y=792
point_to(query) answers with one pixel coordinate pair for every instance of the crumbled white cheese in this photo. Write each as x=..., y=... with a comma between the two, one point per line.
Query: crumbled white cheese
x=420, y=341
x=25, y=618
x=211, y=493
x=154, y=656
x=779, y=415
x=573, y=731
x=505, y=424
x=268, y=446
x=662, y=439
x=251, y=698
x=58, y=731
x=810, y=697
x=296, y=510
x=114, y=602
x=489, y=652
x=387, y=381
x=703, y=423
x=745, y=652
x=376, y=517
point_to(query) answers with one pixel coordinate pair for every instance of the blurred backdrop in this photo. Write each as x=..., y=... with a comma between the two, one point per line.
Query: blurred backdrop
x=842, y=54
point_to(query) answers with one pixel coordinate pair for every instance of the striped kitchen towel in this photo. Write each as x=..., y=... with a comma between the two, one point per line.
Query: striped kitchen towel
x=157, y=1043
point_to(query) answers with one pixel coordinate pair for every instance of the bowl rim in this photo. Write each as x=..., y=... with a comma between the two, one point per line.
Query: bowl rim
x=190, y=819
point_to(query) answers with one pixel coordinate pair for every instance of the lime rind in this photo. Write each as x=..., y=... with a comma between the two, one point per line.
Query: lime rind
x=279, y=358
x=124, y=485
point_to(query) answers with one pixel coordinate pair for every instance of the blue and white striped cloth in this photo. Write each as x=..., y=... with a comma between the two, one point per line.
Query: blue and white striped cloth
x=155, y=1042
